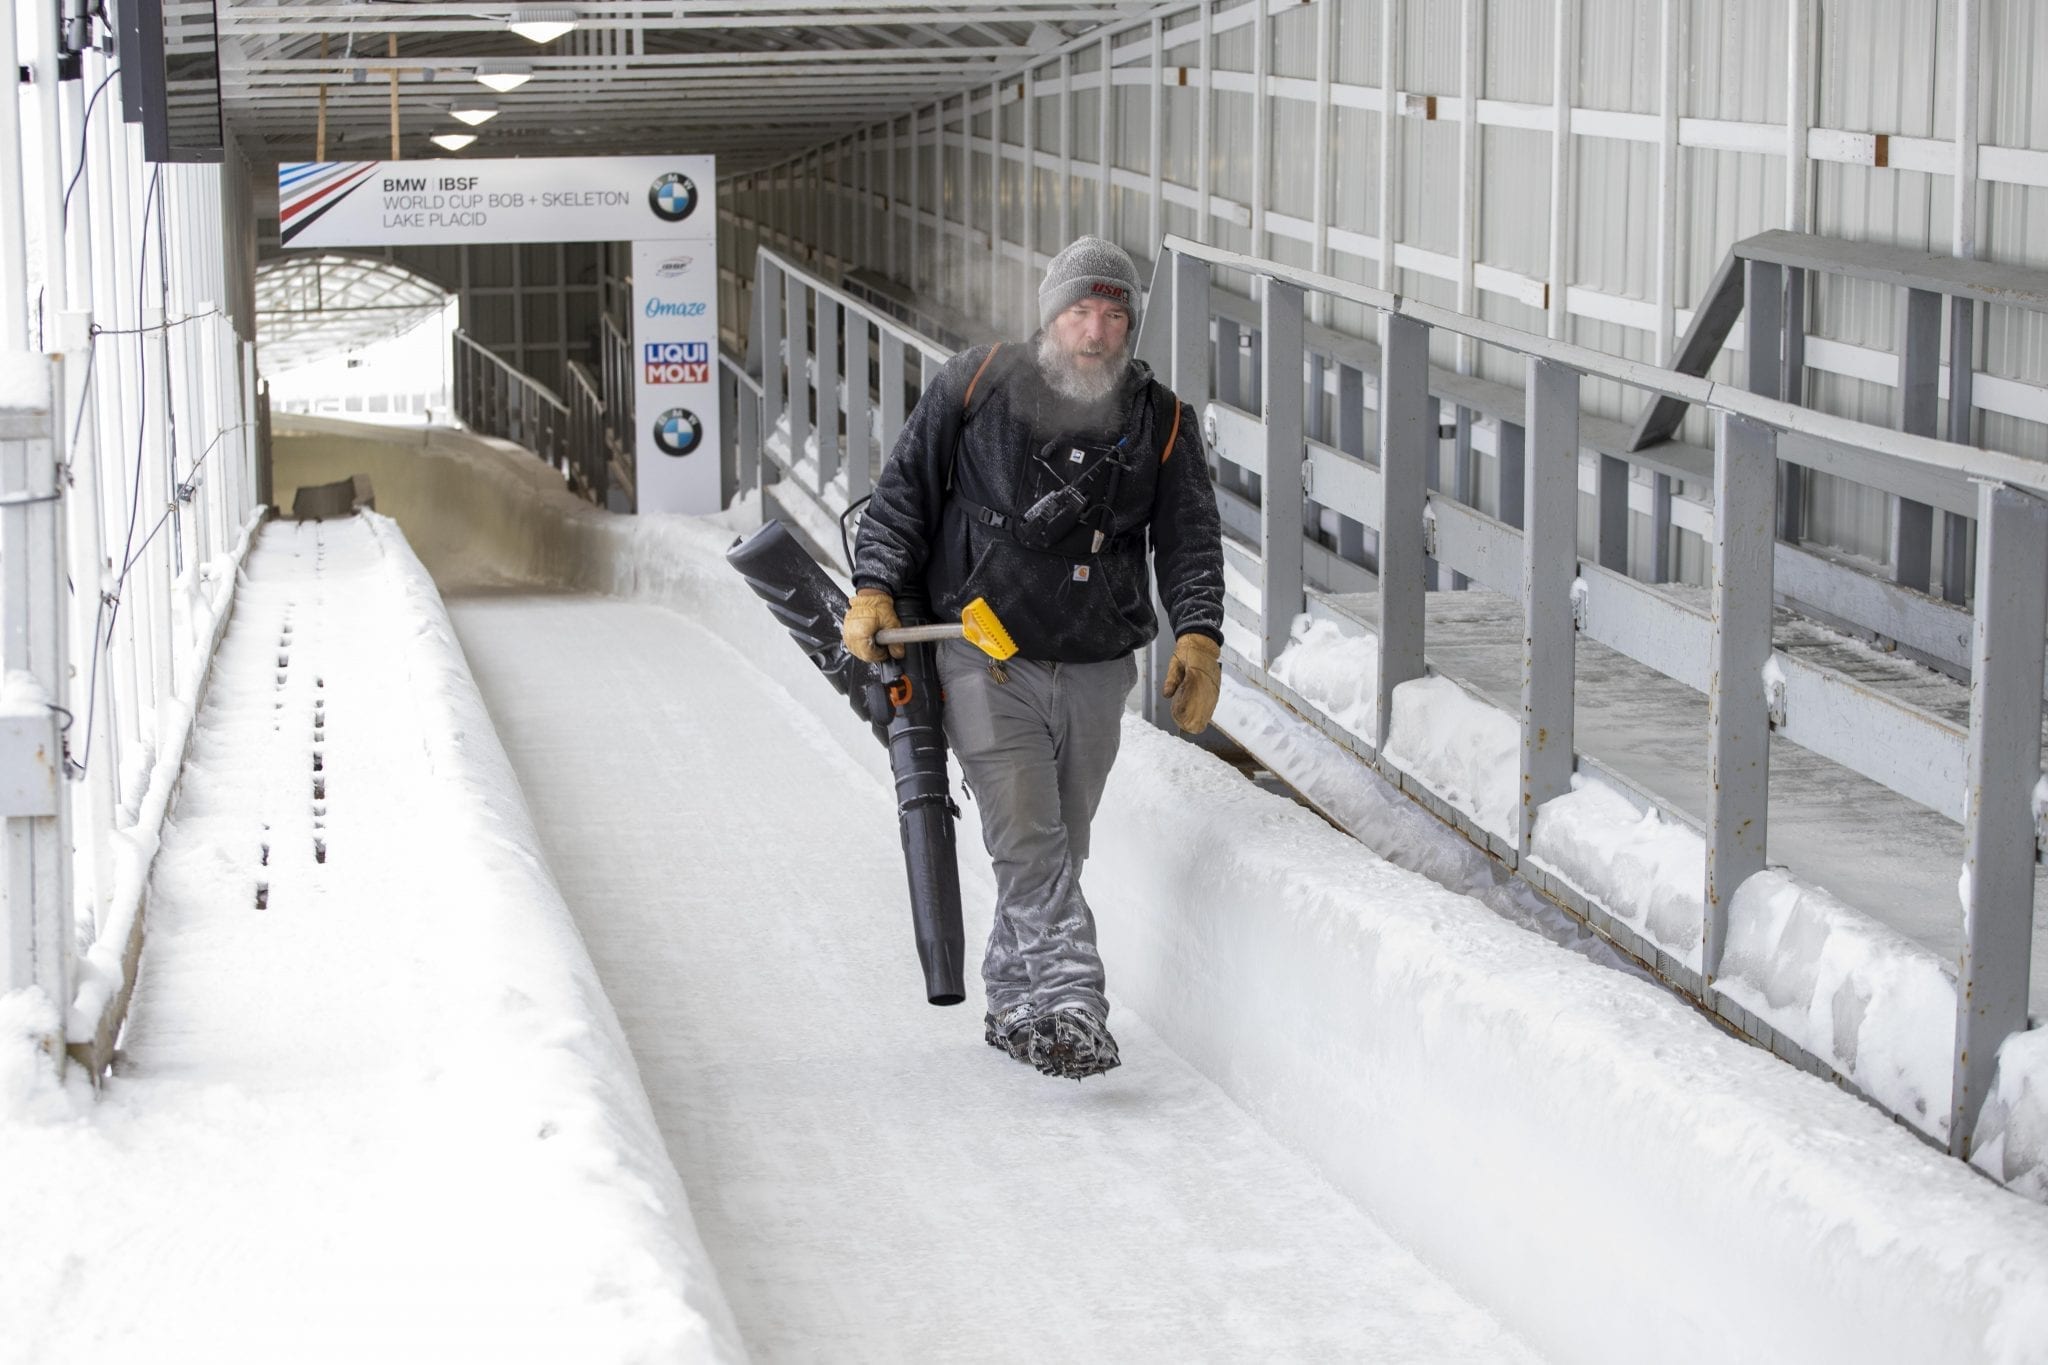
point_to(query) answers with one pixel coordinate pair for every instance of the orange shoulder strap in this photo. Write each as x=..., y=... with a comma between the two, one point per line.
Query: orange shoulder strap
x=1173, y=435
x=968, y=398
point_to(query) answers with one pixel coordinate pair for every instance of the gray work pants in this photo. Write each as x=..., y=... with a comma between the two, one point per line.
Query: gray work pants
x=1036, y=751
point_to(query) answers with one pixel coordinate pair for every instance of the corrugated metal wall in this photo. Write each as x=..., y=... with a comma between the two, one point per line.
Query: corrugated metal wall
x=1649, y=199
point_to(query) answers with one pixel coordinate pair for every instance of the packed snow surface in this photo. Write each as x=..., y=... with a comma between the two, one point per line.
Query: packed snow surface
x=372, y=1102
x=1612, y=1179
x=872, y=1181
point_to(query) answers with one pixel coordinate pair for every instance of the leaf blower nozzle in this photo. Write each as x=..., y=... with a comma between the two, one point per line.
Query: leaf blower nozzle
x=900, y=699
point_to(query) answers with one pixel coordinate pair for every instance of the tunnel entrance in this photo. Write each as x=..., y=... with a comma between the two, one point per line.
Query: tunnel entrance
x=341, y=334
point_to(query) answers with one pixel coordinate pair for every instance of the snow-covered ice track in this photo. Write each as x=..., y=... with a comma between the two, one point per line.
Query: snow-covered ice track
x=1567, y=1145
x=371, y=1103
x=873, y=1183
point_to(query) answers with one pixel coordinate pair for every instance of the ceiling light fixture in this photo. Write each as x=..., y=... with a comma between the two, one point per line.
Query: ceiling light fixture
x=504, y=79
x=473, y=112
x=542, y=25
x=453, y=142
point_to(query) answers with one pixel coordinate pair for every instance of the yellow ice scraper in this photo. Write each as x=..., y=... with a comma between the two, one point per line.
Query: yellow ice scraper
x=978, y=626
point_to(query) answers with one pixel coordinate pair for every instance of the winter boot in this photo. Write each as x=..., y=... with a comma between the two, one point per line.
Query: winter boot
x=1071, y=1042
x=1010, y=1034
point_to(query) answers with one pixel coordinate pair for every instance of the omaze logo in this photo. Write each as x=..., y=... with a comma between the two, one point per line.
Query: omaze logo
x=677, y=432
x=676, y=362
x=657, y=307
x=674, y=268
x=673, y=197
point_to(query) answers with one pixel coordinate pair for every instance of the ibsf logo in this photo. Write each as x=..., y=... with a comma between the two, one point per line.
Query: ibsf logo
x=1110, y=291
x=676, y=362
x=673, y=197
x=674, y=268
x=678, y=432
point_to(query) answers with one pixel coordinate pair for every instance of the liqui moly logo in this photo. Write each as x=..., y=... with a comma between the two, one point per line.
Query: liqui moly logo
x=677, y=362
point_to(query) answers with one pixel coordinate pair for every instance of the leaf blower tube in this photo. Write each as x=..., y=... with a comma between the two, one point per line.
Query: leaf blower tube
x=901, y=701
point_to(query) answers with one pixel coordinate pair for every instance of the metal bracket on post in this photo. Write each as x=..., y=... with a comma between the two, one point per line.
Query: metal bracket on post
x=1408, y=447
x=1549, y=564
x=2004, y=766
x=1738, y=703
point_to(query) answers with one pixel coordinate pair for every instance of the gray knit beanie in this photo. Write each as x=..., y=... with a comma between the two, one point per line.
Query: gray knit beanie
x=1089, y=267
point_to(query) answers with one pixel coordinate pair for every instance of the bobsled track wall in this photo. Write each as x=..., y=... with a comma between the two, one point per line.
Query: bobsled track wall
x=1580, y=1153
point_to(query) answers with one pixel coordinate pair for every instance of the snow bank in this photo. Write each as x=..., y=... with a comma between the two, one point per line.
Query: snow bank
x=1873, y=1004
x=110, y=935
x=1574, y=1148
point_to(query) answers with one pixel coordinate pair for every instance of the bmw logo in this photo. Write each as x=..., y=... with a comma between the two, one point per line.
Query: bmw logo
x=678, y=431
x=673, y=197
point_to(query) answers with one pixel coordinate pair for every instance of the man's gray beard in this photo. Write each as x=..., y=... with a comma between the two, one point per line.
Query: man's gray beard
x=1076, y=385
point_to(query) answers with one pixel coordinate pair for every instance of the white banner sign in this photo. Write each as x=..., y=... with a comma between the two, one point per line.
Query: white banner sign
x=675, y=360
x=518, y=199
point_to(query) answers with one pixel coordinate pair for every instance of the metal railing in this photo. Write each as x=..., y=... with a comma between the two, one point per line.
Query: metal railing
x=493, y=398
x=838, y=376
x=1983, y=776
x=834, y=369
x=589, y=449
x=616, y=387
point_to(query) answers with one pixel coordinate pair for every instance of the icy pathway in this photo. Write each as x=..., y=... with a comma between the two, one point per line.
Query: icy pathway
x=871, y=1181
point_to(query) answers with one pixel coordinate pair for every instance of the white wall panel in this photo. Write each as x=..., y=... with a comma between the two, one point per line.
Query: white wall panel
x=1647, y=197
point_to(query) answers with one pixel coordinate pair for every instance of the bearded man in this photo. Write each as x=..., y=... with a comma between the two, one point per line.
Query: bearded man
x=1036, y=476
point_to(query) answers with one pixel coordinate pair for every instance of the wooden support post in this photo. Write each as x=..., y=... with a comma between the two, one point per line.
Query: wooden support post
x=392, y=47
x=1351, y=440
x=1912, y=523
x=796, y=304
x=1999, y=830
x=1408, y=444
x=1194, y=372
x=1792, y=480
x=1660, y=528
x=859, y=457
x=1738, y=703
x=825, y=312
x=1610, y=501
x=1550, y=562
x=1955, y=554
x=894, y=400
x=769, y=282
x=1281, y=596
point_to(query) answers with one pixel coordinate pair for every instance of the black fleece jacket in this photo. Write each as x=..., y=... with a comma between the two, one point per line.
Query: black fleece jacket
x=918, y=540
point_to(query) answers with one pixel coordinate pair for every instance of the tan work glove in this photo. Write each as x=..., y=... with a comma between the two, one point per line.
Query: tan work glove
x=1193, y=679
x=870, y=610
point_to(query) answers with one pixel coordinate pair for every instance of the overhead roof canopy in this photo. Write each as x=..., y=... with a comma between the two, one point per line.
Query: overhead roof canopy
x=309, y=307
x=750, y=81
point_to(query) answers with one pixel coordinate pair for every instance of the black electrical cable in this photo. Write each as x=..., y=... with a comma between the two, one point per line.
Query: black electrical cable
x=84, y=128
x=110, y=603
x=182, y=483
